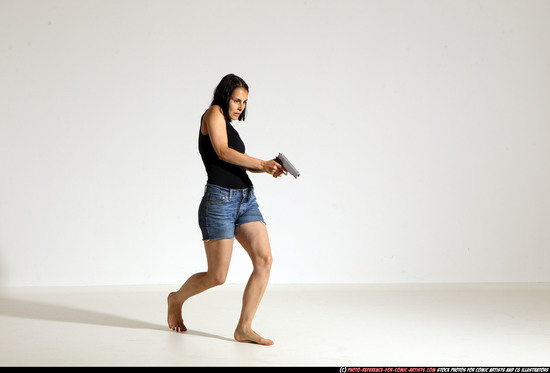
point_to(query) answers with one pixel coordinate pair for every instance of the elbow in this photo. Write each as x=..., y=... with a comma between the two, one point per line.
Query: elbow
x=222, y=154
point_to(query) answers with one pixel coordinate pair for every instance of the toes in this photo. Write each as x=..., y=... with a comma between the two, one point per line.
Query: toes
x=178, y=328
x=267, y=342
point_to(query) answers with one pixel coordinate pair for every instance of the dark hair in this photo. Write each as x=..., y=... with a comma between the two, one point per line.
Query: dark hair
x=223, y=92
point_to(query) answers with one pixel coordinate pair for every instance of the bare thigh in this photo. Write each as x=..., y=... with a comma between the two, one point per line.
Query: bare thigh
x=254, y=239
x=218, y=256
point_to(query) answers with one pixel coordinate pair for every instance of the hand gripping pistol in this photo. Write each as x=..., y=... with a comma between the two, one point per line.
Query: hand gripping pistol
x=282, y=160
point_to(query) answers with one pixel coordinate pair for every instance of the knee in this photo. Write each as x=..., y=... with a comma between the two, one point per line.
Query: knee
x=217, y=279
x=264, y=262
x=269, y=261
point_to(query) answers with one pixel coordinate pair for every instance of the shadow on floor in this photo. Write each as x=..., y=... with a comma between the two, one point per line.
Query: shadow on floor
x=51, y=312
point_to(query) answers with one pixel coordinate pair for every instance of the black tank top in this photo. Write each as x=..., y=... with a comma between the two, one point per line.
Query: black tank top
x=219, y=172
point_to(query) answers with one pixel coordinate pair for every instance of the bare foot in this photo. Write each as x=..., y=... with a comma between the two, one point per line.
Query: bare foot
x=175, y=321
x=242, y=335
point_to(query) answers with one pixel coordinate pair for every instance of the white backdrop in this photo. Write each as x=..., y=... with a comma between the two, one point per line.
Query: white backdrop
x=421, y=128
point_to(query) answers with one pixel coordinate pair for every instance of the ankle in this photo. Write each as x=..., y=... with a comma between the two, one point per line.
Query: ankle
x=175, y=298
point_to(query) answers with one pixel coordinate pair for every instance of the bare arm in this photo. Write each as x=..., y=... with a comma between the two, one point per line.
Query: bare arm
x=216, y=127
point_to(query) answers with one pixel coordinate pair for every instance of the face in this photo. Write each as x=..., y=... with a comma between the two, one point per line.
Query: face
x=237, y=103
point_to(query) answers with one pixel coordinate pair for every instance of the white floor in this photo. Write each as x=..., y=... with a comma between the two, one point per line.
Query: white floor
x=312, y=325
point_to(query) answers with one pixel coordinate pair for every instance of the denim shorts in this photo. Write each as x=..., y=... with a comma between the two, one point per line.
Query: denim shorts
x=222, y=210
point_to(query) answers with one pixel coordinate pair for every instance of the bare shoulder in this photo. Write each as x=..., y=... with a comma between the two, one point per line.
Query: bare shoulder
x=212, y=117
x=214, y=112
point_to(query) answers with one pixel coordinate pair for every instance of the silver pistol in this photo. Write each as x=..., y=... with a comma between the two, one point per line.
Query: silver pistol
x=281, y=159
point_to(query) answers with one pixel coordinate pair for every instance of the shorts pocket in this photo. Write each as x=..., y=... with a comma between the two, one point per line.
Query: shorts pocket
x=216, y=198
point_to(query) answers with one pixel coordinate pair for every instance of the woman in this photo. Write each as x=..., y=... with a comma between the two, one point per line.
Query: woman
x=228, y=209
